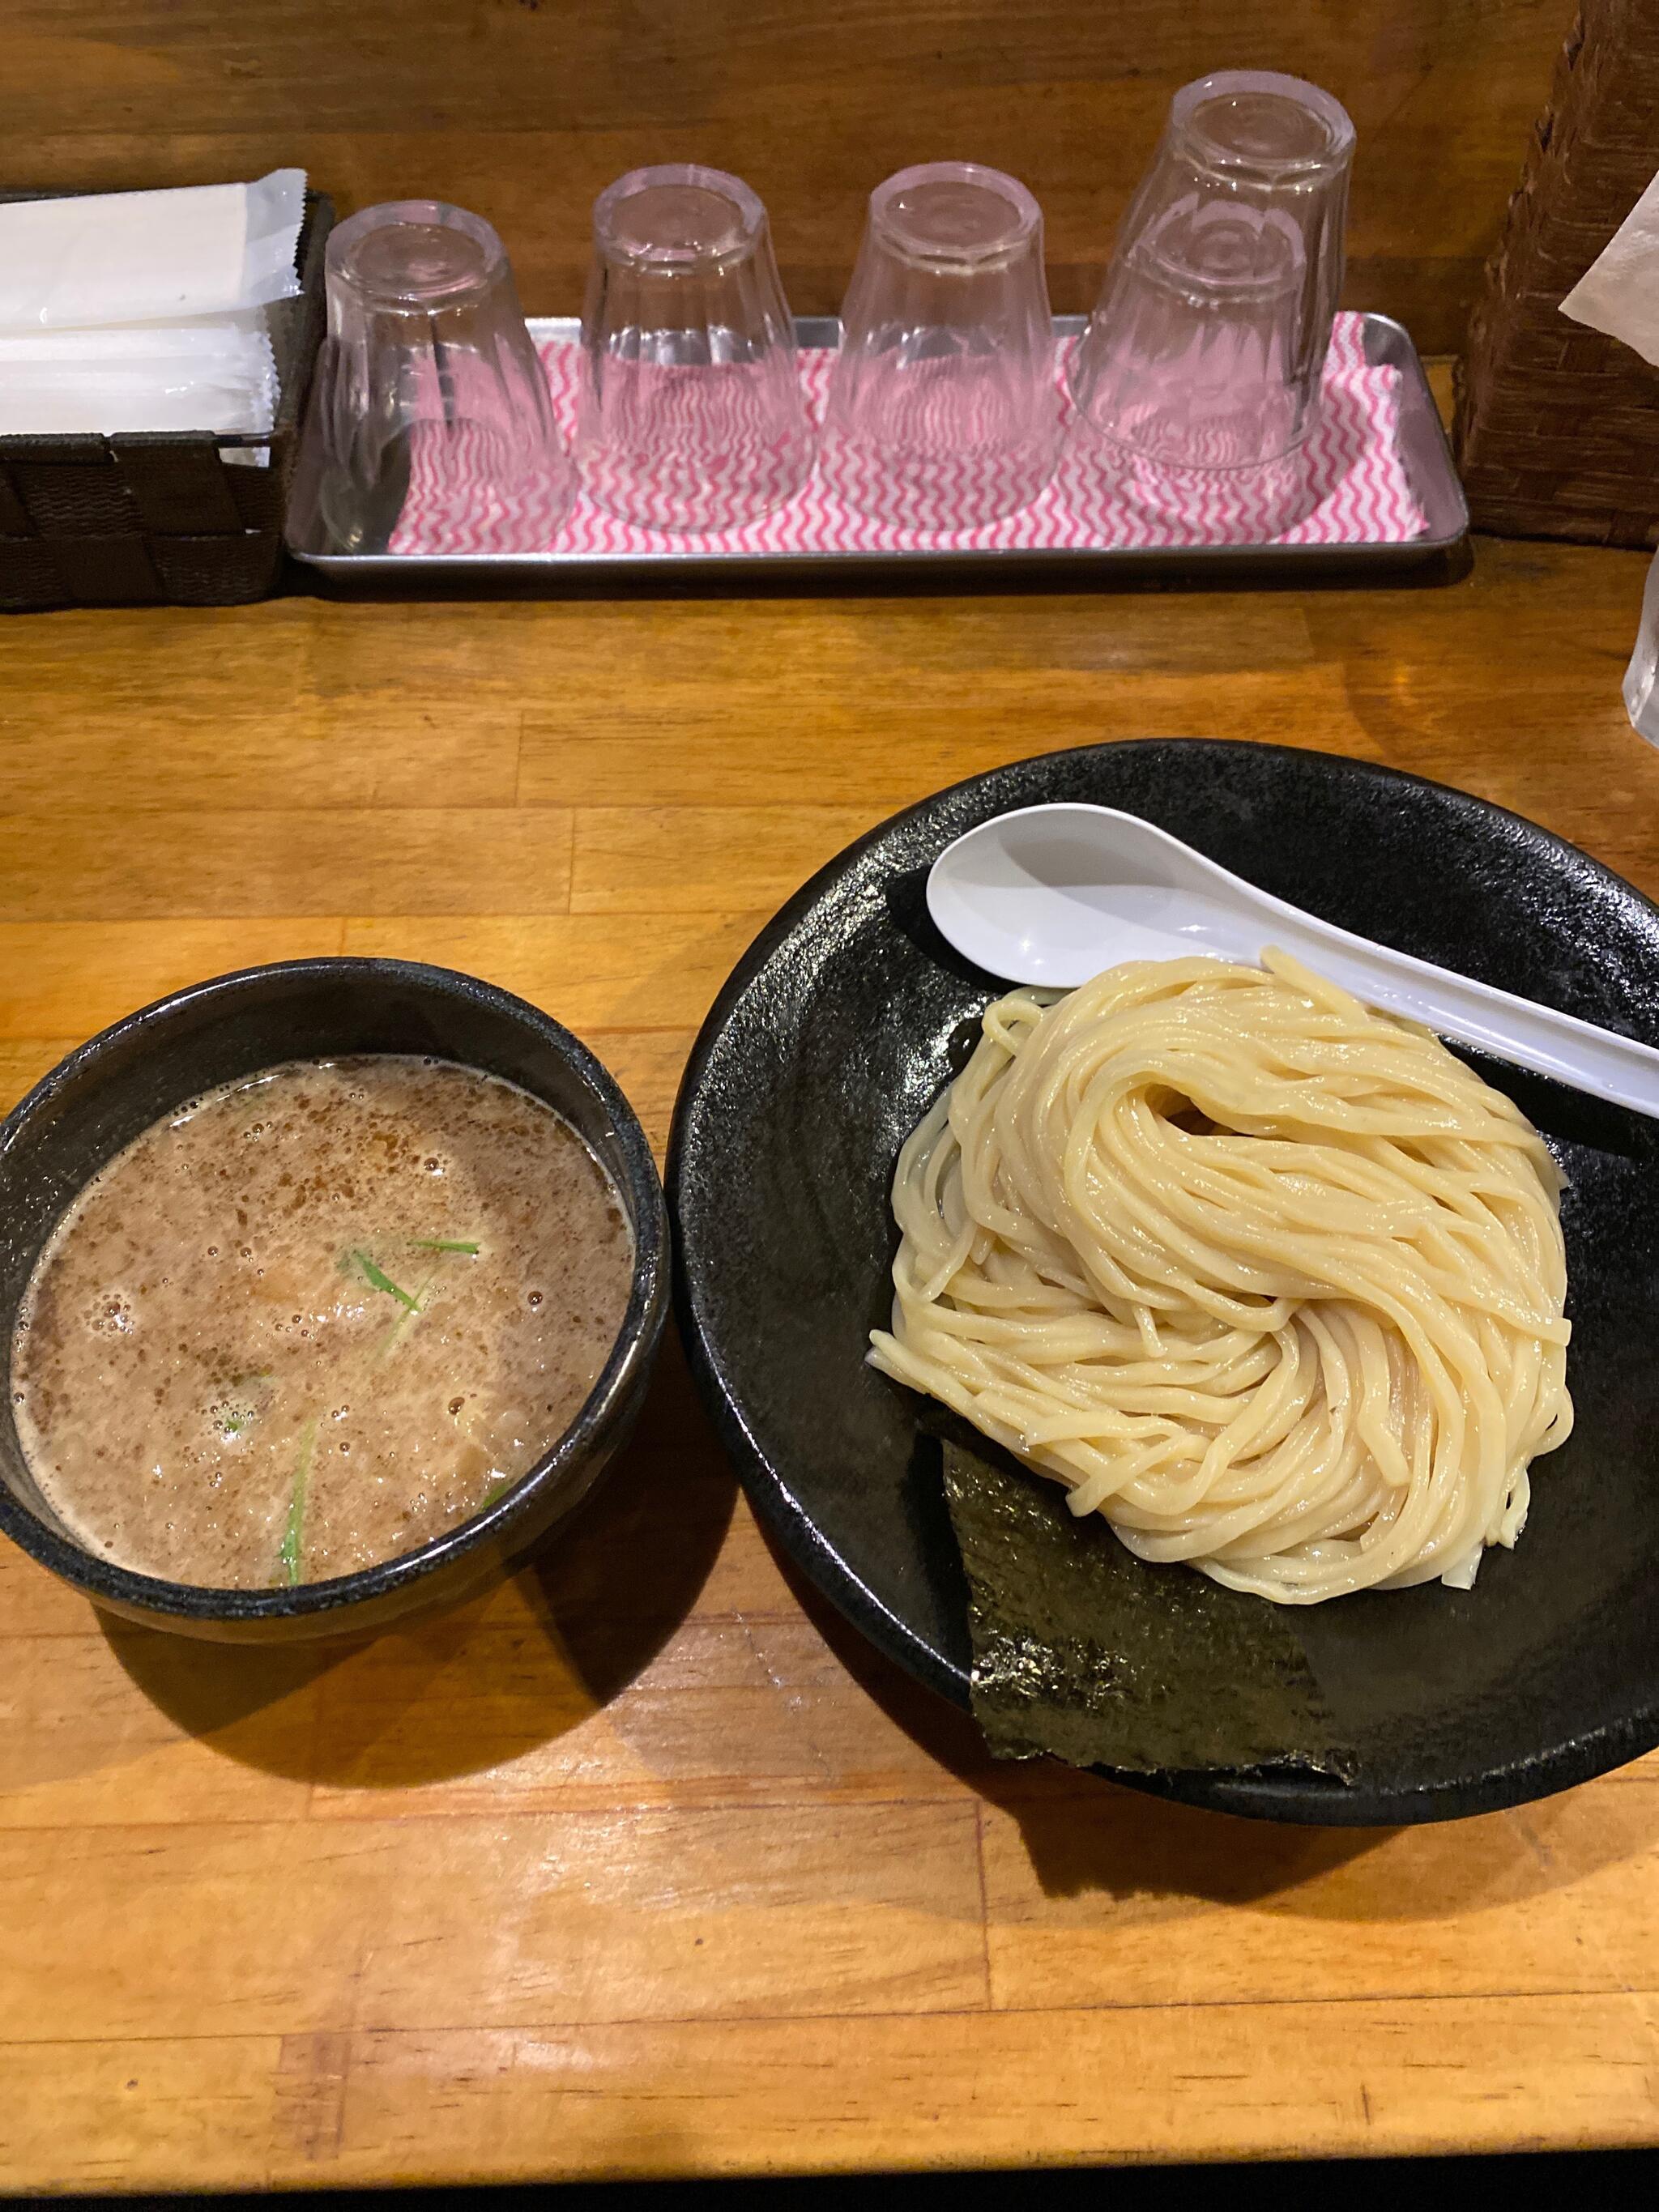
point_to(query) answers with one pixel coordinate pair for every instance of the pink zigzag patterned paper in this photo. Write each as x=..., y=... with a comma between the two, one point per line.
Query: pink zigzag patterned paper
x=1348, y=486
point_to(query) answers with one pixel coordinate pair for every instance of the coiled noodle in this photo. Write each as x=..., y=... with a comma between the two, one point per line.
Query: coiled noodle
x=1272, y=1280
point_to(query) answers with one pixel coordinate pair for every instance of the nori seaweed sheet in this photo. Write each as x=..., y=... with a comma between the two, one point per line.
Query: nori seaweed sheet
x=1082, y=1650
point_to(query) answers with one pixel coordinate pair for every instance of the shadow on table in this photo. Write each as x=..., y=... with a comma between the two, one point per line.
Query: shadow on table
x=1130, y=2189
x=1312, y=569
x=509, y=1669
x=1081, y=1834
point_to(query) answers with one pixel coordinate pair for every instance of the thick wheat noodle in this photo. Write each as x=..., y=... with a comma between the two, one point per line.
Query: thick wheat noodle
x=1271, y=1281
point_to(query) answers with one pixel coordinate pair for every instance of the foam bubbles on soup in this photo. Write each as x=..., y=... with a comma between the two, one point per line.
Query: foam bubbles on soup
x=311, y=1320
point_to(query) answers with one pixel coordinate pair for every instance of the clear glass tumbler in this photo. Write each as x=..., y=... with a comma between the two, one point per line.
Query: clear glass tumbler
x=428, y=392
x=943, y=411
x=1208, y=346
x=691, y=415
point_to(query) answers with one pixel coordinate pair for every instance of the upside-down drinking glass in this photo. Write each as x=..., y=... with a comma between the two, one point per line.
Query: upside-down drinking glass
x=942, y=411
x=1208, y=346
x=428, y=402
x=691, y=415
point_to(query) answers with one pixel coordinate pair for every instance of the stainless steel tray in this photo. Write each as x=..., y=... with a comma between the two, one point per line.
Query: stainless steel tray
x=1423, y=449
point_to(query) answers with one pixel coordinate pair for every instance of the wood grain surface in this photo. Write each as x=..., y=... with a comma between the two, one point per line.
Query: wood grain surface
x=643, y=1863
x=525, y=109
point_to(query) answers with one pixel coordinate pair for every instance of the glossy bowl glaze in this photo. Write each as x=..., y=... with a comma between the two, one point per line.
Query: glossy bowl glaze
x=105, y=1094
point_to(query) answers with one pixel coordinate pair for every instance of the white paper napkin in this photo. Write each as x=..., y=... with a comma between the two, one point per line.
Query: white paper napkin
x=145, y=311
x=1618, y=293
x=149, y=257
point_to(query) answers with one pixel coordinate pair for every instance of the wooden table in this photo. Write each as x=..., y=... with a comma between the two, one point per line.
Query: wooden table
x=644, y=1864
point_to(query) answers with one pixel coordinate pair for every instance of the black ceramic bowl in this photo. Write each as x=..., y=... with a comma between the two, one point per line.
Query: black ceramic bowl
x=849, y=1014
x=102, y=1095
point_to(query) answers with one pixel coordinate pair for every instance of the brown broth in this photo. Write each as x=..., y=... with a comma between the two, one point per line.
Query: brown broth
x=245, y=1358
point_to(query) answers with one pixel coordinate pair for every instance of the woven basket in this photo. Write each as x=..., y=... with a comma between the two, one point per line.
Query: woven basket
x=1556, y=433
x=159, y=516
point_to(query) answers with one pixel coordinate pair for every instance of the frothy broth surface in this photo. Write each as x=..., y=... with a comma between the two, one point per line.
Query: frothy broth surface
x=316, y=1318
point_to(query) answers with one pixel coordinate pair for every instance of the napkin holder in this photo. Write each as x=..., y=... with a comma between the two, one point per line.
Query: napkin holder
x=163, y=516
x=1556, y=433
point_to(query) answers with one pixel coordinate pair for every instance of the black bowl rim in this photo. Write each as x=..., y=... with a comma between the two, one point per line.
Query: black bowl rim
x=1263, y=1794
x=636, y=1339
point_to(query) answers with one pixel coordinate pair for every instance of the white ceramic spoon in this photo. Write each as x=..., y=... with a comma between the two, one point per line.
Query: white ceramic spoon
x=1051, y=894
